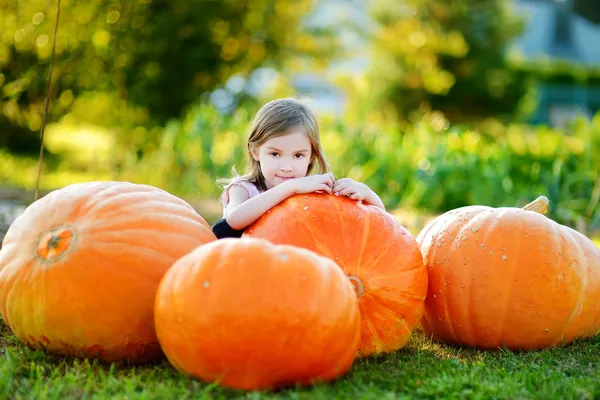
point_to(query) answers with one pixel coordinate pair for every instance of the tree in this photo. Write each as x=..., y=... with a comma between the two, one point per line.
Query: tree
x=157, y=55
x=448, y=56
x=588, y=9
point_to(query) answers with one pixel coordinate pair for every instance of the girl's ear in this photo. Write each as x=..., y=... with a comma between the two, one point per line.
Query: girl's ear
x=254, y=152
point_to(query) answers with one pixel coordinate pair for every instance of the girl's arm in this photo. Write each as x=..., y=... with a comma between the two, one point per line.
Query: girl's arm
x=243, y=211
x=373, y=198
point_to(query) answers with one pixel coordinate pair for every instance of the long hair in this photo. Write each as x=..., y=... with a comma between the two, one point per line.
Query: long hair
x=274, y=119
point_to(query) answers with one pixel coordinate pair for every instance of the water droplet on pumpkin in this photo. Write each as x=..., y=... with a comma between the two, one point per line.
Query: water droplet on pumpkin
x=483, y=272
x=465, y=263
x=206, y=284
x=547, y=330
x=490, y=253
x=504, y=257
x=475, y=229
x=283, y=257
x=305, y=208
x=566, y=291
x=434, y=296
x=482, y=245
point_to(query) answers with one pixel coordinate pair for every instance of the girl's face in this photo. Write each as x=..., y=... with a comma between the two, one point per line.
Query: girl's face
x=284, y=157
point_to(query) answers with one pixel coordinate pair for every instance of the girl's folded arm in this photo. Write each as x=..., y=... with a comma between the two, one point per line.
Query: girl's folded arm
x=243, y=211
x=373, y=198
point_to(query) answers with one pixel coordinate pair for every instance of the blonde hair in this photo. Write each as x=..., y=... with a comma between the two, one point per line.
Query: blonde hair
x=277, y=118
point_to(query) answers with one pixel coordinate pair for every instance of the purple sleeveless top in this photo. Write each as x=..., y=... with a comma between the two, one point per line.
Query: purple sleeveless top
x=249, y=186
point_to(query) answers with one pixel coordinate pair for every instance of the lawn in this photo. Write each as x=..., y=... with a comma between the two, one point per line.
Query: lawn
x=423, y=369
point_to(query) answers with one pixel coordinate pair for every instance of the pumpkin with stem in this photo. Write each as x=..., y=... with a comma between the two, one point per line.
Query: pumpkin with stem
x=252, y=315
x=80, y=267
x=509, y=277
x=380, y=257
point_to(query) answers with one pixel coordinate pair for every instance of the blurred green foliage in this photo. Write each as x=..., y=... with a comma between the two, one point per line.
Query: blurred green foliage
x=432, y=125
x=151, y=56
x=447, y=56
x=430, y=166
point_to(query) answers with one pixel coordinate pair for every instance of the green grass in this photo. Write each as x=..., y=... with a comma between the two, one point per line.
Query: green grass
x=423, y=369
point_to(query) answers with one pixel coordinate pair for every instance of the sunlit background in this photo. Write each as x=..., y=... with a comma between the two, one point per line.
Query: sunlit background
x=435, y=104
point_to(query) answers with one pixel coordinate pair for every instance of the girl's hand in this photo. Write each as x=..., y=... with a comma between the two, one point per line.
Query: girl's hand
x=357, y=191
x=313, y=183
x=351, y=188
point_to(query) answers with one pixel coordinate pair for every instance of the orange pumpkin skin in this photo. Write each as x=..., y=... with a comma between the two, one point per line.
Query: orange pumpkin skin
x=508, y=277
x=80, y=267
x=379, y=255
x=252, y=315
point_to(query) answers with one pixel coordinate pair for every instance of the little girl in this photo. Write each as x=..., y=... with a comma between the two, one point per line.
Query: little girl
x=283, y=149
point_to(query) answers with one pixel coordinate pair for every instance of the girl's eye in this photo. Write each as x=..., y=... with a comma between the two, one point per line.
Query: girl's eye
x=273, y=154
x=299, y=155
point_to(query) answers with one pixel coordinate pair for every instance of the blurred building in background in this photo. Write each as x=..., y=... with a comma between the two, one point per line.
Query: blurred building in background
x=556, y=30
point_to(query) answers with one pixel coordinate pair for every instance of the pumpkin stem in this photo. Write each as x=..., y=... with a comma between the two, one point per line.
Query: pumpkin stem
x=539, y=205
x=358, y=285
x=53, y=245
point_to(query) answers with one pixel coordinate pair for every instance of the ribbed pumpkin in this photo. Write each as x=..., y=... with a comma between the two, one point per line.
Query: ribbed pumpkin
x=509, y=277
x=253, y=315
x=380, y=257
x=80, y=267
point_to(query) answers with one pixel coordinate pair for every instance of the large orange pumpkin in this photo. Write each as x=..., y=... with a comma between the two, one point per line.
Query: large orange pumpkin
x=80, y=267
x=252, y=315
x=380, y=257
x=509, y=277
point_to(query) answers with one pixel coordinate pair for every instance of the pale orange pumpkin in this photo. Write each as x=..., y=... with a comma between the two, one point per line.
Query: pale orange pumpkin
x=509, y=277
x=80, y=267
x=380, y=257
x=252, y=315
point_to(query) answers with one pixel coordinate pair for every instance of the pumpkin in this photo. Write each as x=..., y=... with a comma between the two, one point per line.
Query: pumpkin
x=252, y=315
x=379, y=256
x=509, y=277
x=80, y=267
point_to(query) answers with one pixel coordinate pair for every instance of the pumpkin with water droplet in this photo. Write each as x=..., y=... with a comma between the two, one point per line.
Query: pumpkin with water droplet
x=252, y=315
x=80, y=267
x=380, y=257
x=509, y=277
